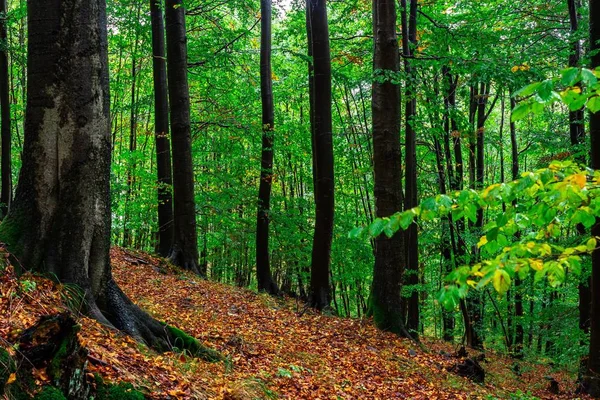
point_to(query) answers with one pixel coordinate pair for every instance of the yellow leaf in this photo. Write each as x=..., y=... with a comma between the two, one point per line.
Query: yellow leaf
x=578, y=179
x=471, y=283
x=501, y=281
x=489, y=188
x=11, y=378
x=536, y=264
x=482, y=241
x=591, y=244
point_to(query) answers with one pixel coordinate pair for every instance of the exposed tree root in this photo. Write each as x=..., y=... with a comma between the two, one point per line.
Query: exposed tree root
x=122, y=314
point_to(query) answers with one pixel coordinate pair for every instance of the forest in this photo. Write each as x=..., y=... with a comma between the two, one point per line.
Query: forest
x=299, y=199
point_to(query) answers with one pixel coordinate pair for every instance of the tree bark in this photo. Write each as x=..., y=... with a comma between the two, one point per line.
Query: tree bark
x=60, y=220
x=5, y=130
x=323, y=156
x=592, y=377
x=390, y=257
x=519, y=329
x=411, y=278
x=161, y=130
x=263, y=267
x=577, y=134
x=184, y=252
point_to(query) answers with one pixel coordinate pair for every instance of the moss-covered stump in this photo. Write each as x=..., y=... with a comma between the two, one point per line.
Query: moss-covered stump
x=52, y=344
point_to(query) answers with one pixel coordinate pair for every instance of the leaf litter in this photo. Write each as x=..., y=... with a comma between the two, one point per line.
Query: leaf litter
x=274, y=348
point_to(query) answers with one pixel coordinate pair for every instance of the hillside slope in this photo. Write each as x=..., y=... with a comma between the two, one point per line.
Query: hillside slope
x=275, y=348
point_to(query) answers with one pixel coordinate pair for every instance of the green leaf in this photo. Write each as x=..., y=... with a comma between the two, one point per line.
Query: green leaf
x=591, y=244
x=545, y=89
x=377, y=227
x=593, y=104
x=569, y=76
x=406, y=218
x=356, y=232
x=527, y=90
x=588, y=77
x=520, y=111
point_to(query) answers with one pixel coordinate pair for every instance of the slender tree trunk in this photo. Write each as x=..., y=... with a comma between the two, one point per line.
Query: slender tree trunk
x=592, y=378
x=390, y=256
x=323, y=155
x=263, y=268
x=5, y=130
x=409, y=41
x=576, y=118
x=60, y=220
x=161, y=130
x=519, y=330
x=127, y=231
x=185, y=243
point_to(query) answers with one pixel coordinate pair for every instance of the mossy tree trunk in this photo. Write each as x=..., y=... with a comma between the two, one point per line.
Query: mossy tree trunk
x=59, y=222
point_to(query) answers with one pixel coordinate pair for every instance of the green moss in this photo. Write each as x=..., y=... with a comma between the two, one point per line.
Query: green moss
x=11, y=232
x=122, y=391
x=7, y=367
x=50, y=393
x=390, y=321
x=183, y=341
x=54, y=368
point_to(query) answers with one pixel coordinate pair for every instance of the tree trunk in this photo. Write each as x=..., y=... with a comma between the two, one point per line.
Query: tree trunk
x=161, y=130
x=519, y=330
x=577, y=133
x=323, y=156
x=60, y=220
x=184, y=252
x=411, y=278
x=263, y=268
x=592, y=378
x=5, y=132
x=385, y=299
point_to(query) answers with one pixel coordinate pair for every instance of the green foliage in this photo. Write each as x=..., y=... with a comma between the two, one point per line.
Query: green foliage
x=284, y=373
x=27, y=285
x=523, y=238
x=575, y=87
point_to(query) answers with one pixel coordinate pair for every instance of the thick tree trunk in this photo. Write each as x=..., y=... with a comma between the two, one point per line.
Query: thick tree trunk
x=60, y=220
x=161, y=130
x=185, y=246
x=411, y=278
x=5, y=132
x=323, y=156
x=263, y=267
x=577, y=134
x=592, y=378
x=390, y=256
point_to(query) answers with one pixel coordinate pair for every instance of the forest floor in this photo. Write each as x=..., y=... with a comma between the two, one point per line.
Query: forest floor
x=274, y=348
